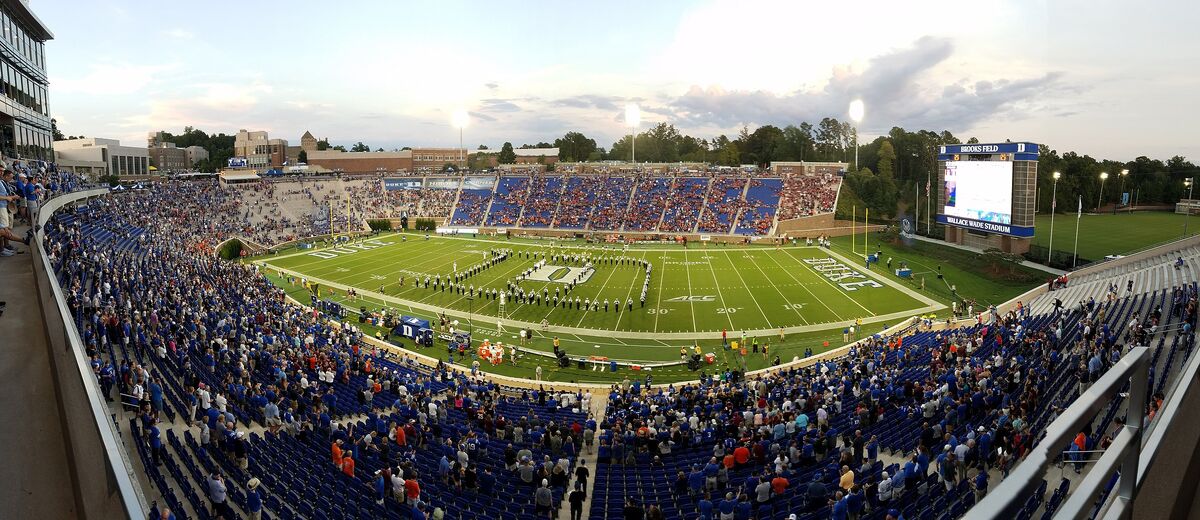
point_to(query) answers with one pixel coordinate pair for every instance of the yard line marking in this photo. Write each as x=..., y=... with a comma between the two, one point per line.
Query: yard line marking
x=628, y=295
x=719, y=295
x=785, y=298
x=691, y=304
x=603, y=286
x=831, y=284
x=658, y=301
x=748, y=291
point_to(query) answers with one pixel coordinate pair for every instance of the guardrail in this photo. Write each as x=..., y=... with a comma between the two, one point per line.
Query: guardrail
x=82, y=398
x=1006, y=501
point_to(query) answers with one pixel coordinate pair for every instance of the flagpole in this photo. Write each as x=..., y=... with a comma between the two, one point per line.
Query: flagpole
x=917, y=218
x=853, y=236
x=866, y=219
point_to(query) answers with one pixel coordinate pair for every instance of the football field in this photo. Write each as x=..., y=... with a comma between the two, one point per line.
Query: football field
x=697, y=291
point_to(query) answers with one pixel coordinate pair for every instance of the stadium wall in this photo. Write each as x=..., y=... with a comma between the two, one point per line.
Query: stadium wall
x=818, y=225
x=102, y=476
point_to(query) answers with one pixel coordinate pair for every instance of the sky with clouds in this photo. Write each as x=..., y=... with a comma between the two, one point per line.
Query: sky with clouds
x=1107, y=78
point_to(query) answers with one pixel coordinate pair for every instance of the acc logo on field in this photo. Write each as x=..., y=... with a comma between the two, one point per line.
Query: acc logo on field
x=690, y=298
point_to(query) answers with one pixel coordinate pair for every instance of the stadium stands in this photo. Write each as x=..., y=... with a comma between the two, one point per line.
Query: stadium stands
x=545, y=192
x=684, y=203
x=650, y=198
x=507, y=202
x=725, y=200
x=224, y=377
x=762, y=201
x=808, y=195
x=739, y=203
x=579, y=199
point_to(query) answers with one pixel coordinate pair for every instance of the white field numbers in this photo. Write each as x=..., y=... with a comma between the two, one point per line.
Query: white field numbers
x=658, y=311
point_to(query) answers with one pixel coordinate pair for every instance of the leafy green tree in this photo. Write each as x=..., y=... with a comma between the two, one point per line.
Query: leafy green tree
x=323, y=145
x=729, y=155
x=303, y=157
x=360, y=147
x=887, y=158
x=507, y=155
x=574, y=146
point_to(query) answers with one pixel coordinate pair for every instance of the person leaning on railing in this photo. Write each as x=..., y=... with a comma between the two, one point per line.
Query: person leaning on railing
x=8, y=198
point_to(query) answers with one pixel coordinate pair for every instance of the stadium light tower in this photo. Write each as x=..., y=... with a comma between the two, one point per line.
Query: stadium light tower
x=1189, y=182
x=1103, y=177
x=460, y=120
x=1121, y=192
x=856, y=115
x=633, y=116
x=1053, y=206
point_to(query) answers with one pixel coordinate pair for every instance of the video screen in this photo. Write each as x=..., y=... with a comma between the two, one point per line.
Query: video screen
x=979, y=190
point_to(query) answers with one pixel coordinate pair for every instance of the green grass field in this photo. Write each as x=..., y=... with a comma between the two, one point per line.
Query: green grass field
x=1108, y=234
x=694, y=293
x=693, y=290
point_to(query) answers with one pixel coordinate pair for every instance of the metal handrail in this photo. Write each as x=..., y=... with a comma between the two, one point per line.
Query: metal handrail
x=1009, y=497
x=132, y=498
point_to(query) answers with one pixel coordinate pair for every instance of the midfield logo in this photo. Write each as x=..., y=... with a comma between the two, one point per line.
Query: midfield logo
x=689, y=298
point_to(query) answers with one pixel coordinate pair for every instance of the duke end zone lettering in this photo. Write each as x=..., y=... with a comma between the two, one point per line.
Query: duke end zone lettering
x=837, y=272
x=346, y=249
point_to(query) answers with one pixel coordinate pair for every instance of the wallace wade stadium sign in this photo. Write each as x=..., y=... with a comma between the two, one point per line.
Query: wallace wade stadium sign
x=988, y=227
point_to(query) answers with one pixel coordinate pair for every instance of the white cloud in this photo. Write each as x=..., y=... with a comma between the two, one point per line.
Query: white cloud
x=111, y=79
x=179, y=34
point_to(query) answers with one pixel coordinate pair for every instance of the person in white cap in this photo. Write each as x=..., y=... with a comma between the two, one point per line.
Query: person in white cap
x=253, y=500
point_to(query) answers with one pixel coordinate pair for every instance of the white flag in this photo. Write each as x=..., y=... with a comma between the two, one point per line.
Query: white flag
x=1079, y=212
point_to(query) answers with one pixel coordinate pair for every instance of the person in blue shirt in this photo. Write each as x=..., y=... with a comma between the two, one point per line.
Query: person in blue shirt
x=856, y=501
x=696, y=481
x=743, y=509
x=841, y=507
x=705, y=507
x=980, y=483
x=727, y=506
x=254, y=501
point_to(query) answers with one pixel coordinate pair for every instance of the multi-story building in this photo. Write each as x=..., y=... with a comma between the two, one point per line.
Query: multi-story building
x=436, y=158
x=491, y=158
x=167, y=158
x=98, y=156
x=260, y=151
x=25, y=129
x=361, y=162
x=195, y=154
